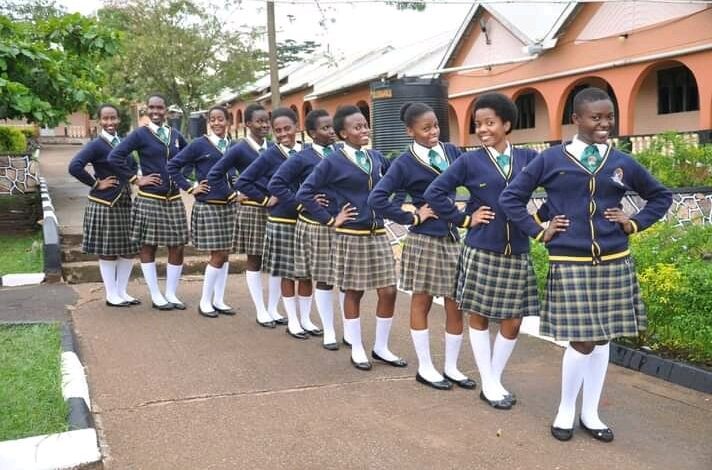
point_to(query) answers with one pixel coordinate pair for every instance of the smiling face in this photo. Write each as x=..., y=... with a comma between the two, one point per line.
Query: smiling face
x=259, y=125
x=109, y=119
x=425, y=130
x=156, y=109
x=356, y=131
x=490, y=129
x=324, y=133
x=218, y=122
x=595, y=120
x=285, y=131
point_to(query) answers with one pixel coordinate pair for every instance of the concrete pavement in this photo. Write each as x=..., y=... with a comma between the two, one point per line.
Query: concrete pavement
x=175, y=390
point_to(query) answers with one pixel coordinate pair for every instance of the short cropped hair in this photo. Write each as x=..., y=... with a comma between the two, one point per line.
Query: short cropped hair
x=313, y=117
x=341, y=114
x=589, y=95
x=502, y=106
x=101, y=107
x=284, y=112
x=410, y=112
x=252, y=109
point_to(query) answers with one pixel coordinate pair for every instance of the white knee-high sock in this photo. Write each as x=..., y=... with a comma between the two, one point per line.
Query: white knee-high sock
x=173, y=272
x=254, y=285
x=305, y=313
x=220, y=284
x=480, y=342
x=209, y=279
x=452, y=352
x=123, y=274
x=353, y=326
x=290, y=306
x=383, y=332
x=573, y=367
x=324, y=300
x=274, y=285
x=593, y=378
x=421, y=342
x=149, y=275
x=107, y=268
x=342, y=296
x=501, y=352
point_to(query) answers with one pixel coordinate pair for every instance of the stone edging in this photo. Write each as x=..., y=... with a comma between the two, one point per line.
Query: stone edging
x=78, y=445
x=651, y=364
x=50, y=235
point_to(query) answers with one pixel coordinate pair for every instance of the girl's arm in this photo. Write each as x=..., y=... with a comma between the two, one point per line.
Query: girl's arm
x=120, y=157
x=78, y=164
x=380, y=202
x=318, y=179
x=246, y=182
x=438, y=193
x=515, y=197
x=279, y=185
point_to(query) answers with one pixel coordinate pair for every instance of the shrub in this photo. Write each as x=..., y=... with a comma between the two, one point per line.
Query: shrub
x=12, y=140
x=676, y=162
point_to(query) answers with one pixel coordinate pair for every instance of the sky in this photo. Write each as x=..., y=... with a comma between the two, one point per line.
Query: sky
x=350, y=28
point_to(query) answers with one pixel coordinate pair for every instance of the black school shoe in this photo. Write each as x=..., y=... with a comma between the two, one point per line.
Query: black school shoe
x=281, y=321
x=164, y=307
x=361, y=365
x=603, y=435
x=466, y=383
x=314, y=332
x=331, y=346
x=119, y=305
x=562, y=434
x=439, y=385
x=503, y=404
x=346, y=343
x=299, y=335
x=395, y=363
x=267, y=324
x=134, y=302
x=178, y=305
x=224, y=311
x=212, y=314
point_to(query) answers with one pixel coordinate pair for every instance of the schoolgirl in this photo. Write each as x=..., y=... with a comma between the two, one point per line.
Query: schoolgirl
x=212, y=223
x=278, y=254
x=252, y=213
x=362, y=258
x=592, y=292
x=431, y=248
x=158, y=215
x=312, y=240
x=495, y=278
x=107, y=217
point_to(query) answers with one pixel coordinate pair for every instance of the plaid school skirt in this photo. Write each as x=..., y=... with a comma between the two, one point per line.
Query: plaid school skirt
x=250, y=233
x=212, y=226
x=158, y=222
x=363, y=262
x=592, y=303
x=107, y=229
x=312, y=252
x=278, y=255
x=429, y=265
x=496, y=286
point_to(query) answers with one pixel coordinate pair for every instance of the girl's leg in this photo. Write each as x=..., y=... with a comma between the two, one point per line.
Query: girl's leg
x=124, y=265
x=294, y=328
x=480, y=342
x=419, y=307
x=342, y=300
x=352, y=325
x=274, y=291
x=254, y=285
x=304, y=291
x=213, y=272
x=221, y=259
x=324, y=299
x=573, y=367
x=148, y=268
x=454, y=326
x=384, y=319
x=593, y=378
x=502, y=350
x=174, y=269
x=107, y=268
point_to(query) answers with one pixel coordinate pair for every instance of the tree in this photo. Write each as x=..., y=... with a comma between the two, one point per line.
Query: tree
x=31, y=11
x=290, y=51
x=178, y=48
x=48, y=66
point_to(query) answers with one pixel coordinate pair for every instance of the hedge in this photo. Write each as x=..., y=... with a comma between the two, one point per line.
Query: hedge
x=12, y=140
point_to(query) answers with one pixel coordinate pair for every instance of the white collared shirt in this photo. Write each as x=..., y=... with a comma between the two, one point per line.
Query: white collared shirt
x=495, y=152
x=215, y=139
x=109, y=138
x=577, y=147
x=421, y=152
x=297, y=148
x=253, y=143
x=154, y=127
x=320, y=148
x=351, y=152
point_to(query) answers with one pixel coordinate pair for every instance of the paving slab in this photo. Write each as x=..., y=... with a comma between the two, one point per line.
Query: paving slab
x=40, y=303
x=175, y=390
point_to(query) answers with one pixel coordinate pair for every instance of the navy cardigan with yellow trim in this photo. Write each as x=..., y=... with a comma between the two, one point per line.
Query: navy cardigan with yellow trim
x=153, y=155
x=583, y=197
x=344, y=182
x=479, y=173
x=412, y=176
x=96, y=153
x=253, y=182
x=200, y=155
x=237, y=158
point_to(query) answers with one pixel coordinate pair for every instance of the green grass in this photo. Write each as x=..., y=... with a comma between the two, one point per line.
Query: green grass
x=21, y=253
x=31, y=381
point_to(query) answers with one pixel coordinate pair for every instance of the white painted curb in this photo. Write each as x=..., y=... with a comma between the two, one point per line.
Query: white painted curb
x=24, y=279
x=74, y=383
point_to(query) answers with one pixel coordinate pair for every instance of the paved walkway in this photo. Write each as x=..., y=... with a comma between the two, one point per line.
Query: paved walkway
x=177, y=391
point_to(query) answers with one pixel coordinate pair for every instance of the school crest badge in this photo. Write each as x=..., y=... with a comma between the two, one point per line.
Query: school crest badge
x=618, y=176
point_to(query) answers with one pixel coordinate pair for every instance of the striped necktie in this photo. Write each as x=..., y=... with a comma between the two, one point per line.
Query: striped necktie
x=436, y=161
x=363, y=161
x=591, y=158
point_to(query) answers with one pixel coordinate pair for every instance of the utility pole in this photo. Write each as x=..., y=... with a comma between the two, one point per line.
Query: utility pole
x=272, y=46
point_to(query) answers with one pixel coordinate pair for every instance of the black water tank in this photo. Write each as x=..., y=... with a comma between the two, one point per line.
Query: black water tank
x=389, y=135
x=197, y=126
